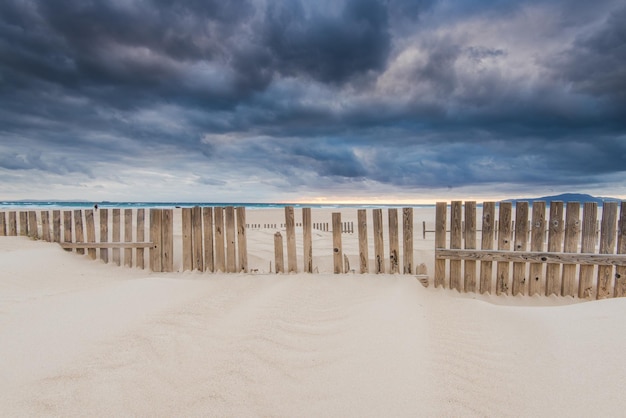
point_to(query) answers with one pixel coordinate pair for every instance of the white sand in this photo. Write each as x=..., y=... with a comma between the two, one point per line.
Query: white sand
x=80, y=338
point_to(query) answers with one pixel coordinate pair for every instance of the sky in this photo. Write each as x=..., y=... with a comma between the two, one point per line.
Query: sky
x=311, y=101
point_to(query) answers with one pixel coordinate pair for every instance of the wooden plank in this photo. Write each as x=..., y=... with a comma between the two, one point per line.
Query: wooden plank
x=589, y=259
x=220, y=256
x=3, y=225
x=24, y=224
x=32, y=224
x=116, y=235
x=379, y=250
x=231, y=260
x=469, y=283
x=128, y=237
x=124, y=245
x=504, y=243
x=407, y=240
x=292, y=261
x=12, y=228
x=607, y=246
x=279, y=258
x=242, y=239
x=196, y=233
x=104, y=234
x=440, y=242
x=588, y=245
x=572, y=237
x=207, y=221
x=620, y=272
x=90, y=229
x=486, y=243
x=456, y=219
x=519, y=282
x=555, y=242
x=56, y=225
x=140, y=234
x=67, y=227
x=307, y=234
x=337, y=249
x=394, y=241
x=78, y=230
x=363, y=245
x=538, y=231
x=167, y=240
x=45, y=225
x=156, y=226
x=187, y=240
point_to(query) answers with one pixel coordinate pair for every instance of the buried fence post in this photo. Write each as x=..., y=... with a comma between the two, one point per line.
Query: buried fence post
x=337, y=250
x=394, y=242
x=308, y=241
x=67, y=227
x=469, y=283
x=78, y=227
x=279, y=258
x=242, y=243
x=91, y=232
x=379, y=249
x=292, y=260
x=440, y=243
x=104, y=233
x=407, y=238
x=32, y=224
x=363, y=248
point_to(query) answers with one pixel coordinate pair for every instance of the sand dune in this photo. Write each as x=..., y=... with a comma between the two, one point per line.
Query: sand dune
x=82, y=338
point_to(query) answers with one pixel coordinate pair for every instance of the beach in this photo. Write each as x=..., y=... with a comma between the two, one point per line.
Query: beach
x=80, y=337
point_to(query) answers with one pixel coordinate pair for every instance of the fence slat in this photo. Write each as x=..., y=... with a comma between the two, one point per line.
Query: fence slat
x=90, y=229
x=379, y=250
x=78, y=230
x=32, y=224
x=141, y=236
x=407, y=240
x=504, y=243
x=572, y=237
x=156, y=225
x=521, y=241
x=307, y=232
x=104, y=234
x=620, y=272
x=67, y=227
x=231, y=260
x=530, y=256
x=207, y=215
x=128, y=236
x=167, y=240
x=187, y=239
x=607, y=246
x=45, y=225
x=196, y=233
x=588, y=245
x=115, y=235
x=469, y=283
x=363, y=245
x=12, y=229
x=394, y=241
x=337, y=250
x=440, y=242
x=220, y=256
x=555, y=242
x=3, y=225
x=24, y=224
x=56, y=225
x=538, y=231
x=242, y=239
x=279, y=258
x=456, y=231
x=486, y=243
x=292, y=260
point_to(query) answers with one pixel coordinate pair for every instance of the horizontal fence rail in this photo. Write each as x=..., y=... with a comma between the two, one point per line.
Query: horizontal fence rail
x=583, y=256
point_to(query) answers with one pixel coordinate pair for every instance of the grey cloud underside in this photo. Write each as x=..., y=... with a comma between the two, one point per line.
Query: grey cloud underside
x=316, y=94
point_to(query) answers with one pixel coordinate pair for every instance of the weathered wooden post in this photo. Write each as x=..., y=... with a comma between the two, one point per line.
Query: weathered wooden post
x=220, y=255
x=440, y=243
x=24, y=224
x=279, y=259
x=363, y=246
x=231, y=260
x=536, y=244
x=456, y=231
x=607, y=246
x=555, y=244
x=56, y=225
x=588, y=245
x=407, y=239
x=572, y=238
x=209, y=261
x=156, y=220
x=116, y=236
x=292, y=261
x=90, y=228
x=45, y=225
x=167, y=240
x=486, y=243
x=187, y=239
x=521, y=241
x=104, y=233
x=196, y=233
x=67, y=227
x=78, y=229
x=307, y=232
x=394, y=241
x=504, y=244
x=32, y=224
x=379, y=250
x=469, y=284
x=12, y=230
x=128, y=237
x=337, y=250
x=620, y=271
x=242, y=239
x=141, y=237
x=3, y=225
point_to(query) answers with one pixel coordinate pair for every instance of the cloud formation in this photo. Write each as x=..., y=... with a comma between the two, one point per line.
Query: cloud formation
x=257, y=100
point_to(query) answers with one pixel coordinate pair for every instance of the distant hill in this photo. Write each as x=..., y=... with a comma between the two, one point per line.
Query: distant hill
x=567, y=197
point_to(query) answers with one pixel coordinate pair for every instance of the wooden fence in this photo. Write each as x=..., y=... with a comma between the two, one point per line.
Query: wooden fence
x=569, y=264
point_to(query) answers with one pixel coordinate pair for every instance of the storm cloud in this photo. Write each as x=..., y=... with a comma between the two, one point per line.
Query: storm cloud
x=288, y=100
